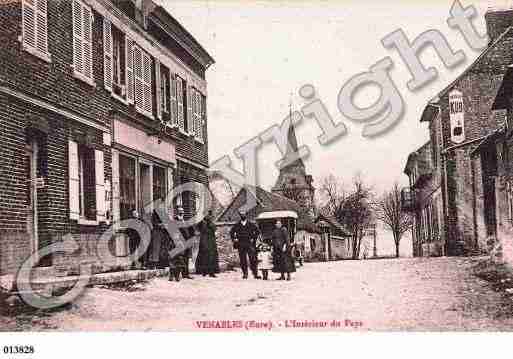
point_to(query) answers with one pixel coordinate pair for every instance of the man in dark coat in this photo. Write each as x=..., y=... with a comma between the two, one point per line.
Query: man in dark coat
x=284, y=263
x=244, y=236
x=207, y=262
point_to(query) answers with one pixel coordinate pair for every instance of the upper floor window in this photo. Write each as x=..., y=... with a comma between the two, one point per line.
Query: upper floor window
x=82, y=42
x=35, y=27
x=198, y=112
x=118, y=63
x=181, y=90
x=143, y=81
x=164, y=89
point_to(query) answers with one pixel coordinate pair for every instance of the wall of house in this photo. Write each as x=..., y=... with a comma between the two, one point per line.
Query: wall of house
x=479, y=87
x=53, y=84
x=315, y=253
x=340, y=249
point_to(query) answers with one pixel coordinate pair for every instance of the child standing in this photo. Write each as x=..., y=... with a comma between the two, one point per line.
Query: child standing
x=265, y=259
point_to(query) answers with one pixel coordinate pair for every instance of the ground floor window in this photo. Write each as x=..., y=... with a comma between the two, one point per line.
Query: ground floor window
x=87, y=182
x=140, y=183
x=159, y=183
x=127, y=186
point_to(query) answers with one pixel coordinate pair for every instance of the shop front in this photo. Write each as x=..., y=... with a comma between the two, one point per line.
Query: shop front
x=142, y=173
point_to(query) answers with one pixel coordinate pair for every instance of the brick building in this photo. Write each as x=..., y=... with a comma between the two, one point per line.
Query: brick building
x=460, y=118
x=103, y=109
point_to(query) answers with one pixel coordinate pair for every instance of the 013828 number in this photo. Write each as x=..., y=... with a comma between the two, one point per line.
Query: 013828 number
x=18, y=349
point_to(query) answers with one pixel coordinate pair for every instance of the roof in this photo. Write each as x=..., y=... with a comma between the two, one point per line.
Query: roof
x=493, y=45
x=430, y=112
x=334, y=223
x=277, y=214
x=488, y=140
x=164, y=18
x=421, y=155
x=268, y=202
x=505, y=91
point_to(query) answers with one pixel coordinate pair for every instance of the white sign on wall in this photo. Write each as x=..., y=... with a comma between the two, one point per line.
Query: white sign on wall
x=457, y=116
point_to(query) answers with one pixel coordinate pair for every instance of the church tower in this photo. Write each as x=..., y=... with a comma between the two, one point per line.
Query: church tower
x=293, y=181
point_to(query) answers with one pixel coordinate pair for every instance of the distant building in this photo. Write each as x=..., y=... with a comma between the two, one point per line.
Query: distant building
x=336, y=240
x=293, y=182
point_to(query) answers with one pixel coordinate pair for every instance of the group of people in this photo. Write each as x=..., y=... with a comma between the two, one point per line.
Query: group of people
x=276, y=255
x=255, y=254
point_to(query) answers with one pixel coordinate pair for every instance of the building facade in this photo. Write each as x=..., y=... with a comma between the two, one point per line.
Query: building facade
x=103, y=111
x=460, y=118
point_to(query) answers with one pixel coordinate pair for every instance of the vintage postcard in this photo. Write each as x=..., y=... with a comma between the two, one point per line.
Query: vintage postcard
x=255, y=166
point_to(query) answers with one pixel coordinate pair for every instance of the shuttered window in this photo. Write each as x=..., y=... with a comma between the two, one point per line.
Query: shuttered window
x=107, y=54
x=87, y=192
x=189, y=122
x=147, y=84
x=203, y=119
x=100, y=186
x=129, y=49
x=181, y=105
x=82, y=41
x=74, y=181
x=174, y=102
x=143, y=81
x=35, y=26
x=197, y=114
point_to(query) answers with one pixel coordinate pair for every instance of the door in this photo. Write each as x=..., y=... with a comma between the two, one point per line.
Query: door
x=32, y=158
x=145, y=187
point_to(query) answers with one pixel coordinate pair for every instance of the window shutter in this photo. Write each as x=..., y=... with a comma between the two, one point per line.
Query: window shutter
x=170, y=186
x=174, y=104
x=29, y=23
x=129, y=70
x=201, y=114
x=100, y=185
x=87, y=44
x=107, y=54
x=138, y=74
x=147, y=84
x=179, y=92
x=198, y=116
x=190, y=121
x=116, y=213
x=42, y=26
x=74, y=189
x=78, y=62
x=158, y=91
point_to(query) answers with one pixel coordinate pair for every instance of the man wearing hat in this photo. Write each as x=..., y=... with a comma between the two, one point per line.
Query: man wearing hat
x=187, y=233
x=244, y=236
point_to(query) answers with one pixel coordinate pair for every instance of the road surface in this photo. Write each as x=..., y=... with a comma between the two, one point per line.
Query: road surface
x=407, y=294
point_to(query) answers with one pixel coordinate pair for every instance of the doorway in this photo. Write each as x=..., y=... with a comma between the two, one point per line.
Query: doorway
x=32, y=156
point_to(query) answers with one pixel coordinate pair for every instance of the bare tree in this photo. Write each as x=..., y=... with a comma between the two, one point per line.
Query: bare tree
x=356, y=214
x=352, y=209
x=333, y=195
x=389, y=210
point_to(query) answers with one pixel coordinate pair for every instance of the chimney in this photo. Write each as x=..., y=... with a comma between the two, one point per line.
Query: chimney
x=497, y=21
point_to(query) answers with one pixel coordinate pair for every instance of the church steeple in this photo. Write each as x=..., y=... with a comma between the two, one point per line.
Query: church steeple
x=293, y=181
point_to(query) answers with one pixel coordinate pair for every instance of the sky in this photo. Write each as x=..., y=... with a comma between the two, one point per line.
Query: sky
x=265, y=51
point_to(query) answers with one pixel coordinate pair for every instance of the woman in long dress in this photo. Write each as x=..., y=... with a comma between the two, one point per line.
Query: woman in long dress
x=207, y=262
x=283, y=260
